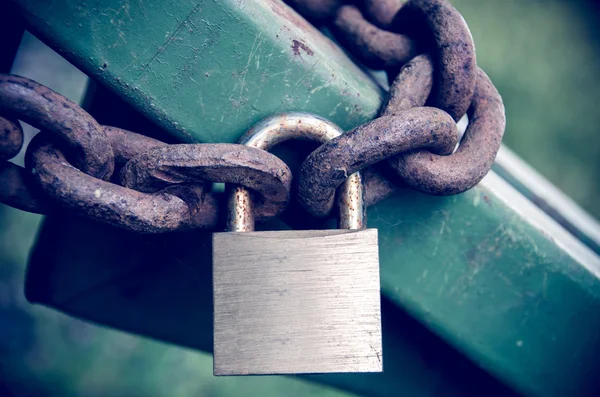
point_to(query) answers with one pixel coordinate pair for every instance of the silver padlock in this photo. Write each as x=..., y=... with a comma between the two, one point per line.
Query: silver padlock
x=291, y=302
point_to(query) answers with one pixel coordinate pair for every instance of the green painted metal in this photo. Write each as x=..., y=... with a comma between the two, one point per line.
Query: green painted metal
x=206, y=70
x=497, y=278
x=549, y=198
x=519, y=296
x=161, y=286
x=487, y=271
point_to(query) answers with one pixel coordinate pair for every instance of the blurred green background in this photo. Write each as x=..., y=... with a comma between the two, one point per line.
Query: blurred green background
x=542, y=56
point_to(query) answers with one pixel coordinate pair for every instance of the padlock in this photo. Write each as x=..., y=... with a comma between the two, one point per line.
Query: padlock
x=292, y=302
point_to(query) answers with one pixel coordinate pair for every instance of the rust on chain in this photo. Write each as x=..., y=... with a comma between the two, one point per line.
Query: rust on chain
x=315, y=10
x=377, y=187
x=382, y=12
x=253, y=168
x=328, y=166
x=81, y=135
x=444, y=175
x=11, y=138
x=167, y=210
x=453, y=55
x=16, y=183
x=411, y=87
x=127, y=144
x=170, y=177
x=376, y=48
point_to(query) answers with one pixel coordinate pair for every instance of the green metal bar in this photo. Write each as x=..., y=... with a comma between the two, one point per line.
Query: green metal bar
x=500, y=280
x=206, y=70
x=161, y=286
x=487, y=271
x=518, y=296
x=549, y=198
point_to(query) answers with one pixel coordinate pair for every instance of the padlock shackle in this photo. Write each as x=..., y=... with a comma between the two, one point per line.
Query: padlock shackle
x=280, y=128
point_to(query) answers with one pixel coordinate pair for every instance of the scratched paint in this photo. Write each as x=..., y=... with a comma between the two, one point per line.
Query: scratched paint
x=207, y=70
x=499, y=288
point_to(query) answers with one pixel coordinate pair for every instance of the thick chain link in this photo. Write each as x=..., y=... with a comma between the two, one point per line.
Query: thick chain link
x=445, y=76
x=141, y=184
x=179, y=201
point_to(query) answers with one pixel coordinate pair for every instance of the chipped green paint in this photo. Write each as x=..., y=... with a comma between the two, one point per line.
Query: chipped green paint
x=206, y=70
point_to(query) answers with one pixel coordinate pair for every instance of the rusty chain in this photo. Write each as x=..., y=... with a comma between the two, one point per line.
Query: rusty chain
x=153, y=208
x=445, y=77
x=141, y=184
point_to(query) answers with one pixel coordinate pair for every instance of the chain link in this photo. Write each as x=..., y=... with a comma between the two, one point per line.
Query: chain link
x=141, y=184
x=51, y=112
x=460, y=171
x=266, y=175
x=329, y=166
x=444, y=76
x=11, y=138
x=111, y=203
x=177, y=202
x=374, y=47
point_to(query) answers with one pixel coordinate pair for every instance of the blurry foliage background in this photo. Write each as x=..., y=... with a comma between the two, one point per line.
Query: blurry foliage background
x=542, y=56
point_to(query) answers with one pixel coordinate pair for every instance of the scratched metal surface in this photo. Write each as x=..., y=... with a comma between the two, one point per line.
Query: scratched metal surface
x=206, y=70
x=290, y=302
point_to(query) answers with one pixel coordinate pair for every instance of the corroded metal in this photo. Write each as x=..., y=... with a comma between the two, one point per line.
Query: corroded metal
x=186, y=205
x=155, y=165
x=478, y=293
x=240, y=210
x=377, y=187
x=411, y=87
x=17, y=187
x=440, y=29
x=11, y=138
x=126, y=144
x=444, y=175
x=453, y=49
x=280, y=128
x=256, y=169
x=328, y=166
x=175, y=202
x=81, y=135
x=376, y=48
x=114, y=204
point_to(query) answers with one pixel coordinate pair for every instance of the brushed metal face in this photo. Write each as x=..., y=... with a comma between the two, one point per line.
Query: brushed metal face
x=289, y=302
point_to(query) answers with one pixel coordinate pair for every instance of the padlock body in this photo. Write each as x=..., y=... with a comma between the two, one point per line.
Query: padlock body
x=290, y=302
